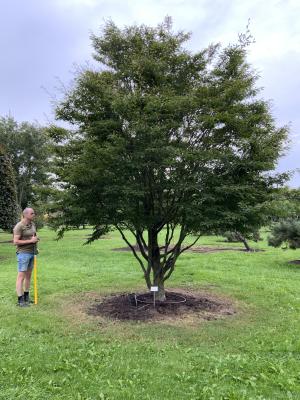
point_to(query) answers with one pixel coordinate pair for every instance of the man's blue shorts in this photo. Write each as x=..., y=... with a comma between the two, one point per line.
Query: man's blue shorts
x=25, y=261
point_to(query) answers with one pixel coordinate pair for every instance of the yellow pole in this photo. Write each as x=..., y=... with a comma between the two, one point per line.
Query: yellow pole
x=35, y=280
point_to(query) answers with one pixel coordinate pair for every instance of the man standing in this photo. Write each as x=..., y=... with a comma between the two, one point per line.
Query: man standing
x=25, y=239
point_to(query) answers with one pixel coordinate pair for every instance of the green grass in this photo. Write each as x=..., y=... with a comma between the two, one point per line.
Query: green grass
x=46, y=354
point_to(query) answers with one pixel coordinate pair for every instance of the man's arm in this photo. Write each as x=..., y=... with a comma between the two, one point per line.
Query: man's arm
x=17, y=240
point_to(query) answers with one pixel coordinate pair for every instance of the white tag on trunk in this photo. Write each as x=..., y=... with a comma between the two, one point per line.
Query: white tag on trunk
x=154, y=289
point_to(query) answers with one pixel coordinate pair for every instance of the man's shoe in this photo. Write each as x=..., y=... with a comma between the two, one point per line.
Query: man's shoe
x=27, y=298
x=22, y=304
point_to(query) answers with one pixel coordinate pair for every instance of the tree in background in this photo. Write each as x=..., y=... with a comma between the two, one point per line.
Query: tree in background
x=286, y=232
x=166, y=144
x=27, y=146
x=286, y=210
x=284, y=204
x=237, y=237
x=8, y=204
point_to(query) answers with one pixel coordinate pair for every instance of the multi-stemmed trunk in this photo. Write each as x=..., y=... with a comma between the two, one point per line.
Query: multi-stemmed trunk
x=155, y=264
x=160, y=261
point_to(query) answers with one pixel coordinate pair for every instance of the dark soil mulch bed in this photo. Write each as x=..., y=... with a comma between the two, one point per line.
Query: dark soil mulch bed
x=196, y=249
x=179, y=304
x=216, y=249
x=297, y=262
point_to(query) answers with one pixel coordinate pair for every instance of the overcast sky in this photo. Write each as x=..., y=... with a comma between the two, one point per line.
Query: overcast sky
x=42, y=40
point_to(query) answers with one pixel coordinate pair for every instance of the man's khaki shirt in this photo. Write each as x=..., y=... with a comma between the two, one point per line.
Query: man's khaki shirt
x=26, y=232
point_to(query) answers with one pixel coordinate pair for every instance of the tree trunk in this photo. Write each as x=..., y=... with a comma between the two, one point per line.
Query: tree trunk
x=244, y=241
x=155, y=264
x=160, y=295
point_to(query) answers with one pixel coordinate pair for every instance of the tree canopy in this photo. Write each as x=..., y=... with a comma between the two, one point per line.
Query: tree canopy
x=27, y=146
x=165, y=141
x=284, y=204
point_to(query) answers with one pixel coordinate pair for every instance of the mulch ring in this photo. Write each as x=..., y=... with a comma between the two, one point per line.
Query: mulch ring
x=195, y=249
x=179, y=305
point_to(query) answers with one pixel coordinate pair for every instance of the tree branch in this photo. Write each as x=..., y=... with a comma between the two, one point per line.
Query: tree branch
x=133, y=250
x=190, y=245
x=168, y=241
x=175, y=252
x=169, y=264
x=142, y=245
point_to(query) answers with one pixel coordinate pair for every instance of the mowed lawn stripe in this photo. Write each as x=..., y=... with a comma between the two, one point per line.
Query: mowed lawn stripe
x=48, y=354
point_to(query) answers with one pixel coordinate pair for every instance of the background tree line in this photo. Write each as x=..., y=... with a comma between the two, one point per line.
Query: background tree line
x=26, y=148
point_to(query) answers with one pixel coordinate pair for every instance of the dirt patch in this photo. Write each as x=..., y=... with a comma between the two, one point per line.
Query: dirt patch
x=89, y=236
x=75, y=308
x=197, y=249
x=200, y=249
x=297, y=262
x=179, y=305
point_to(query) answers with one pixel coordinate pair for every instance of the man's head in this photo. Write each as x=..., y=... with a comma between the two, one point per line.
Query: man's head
x=29, y=214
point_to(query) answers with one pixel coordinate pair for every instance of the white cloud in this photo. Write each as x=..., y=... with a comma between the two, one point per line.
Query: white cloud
x=64, y=4
x=56, y=33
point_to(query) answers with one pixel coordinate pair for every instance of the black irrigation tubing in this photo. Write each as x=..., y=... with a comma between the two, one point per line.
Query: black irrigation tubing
x=136, y=302
x=150, y=301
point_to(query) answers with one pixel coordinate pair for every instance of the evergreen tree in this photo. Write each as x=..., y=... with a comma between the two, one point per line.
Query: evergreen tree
x=286, y=232
x=8, y=205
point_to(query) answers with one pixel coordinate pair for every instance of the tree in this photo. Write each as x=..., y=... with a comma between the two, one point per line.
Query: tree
x=8, y=204
x=166, y=143
x=286, y=232
x=284, y=204
x=27, y=146
x=238, y=237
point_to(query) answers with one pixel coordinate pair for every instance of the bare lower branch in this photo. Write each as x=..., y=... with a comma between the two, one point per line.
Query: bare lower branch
x=171, y=269
x=140, y=242
x=190, y=245
x=168, y=242
x=175, y=252
x=138, y=236
x=169, y=263
x=132, y=249
x=143, y=240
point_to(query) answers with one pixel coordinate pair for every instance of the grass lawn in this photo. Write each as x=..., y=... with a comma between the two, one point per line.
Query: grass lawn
x=49, y=351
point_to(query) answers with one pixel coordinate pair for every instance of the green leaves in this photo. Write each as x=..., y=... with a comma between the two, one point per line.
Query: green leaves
x=8, y=195
x=286, y=232
x=166, y=138
x=27, y=146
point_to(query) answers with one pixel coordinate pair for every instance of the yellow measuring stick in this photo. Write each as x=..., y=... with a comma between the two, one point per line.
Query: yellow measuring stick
x=35, y=280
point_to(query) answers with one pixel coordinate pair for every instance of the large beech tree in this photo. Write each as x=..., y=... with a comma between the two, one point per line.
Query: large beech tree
x=166, y=143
